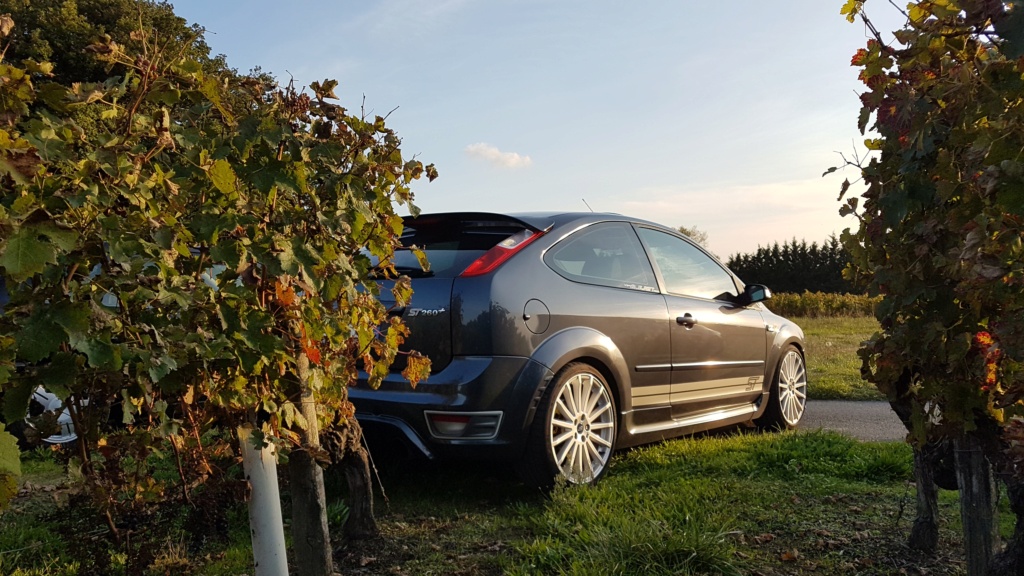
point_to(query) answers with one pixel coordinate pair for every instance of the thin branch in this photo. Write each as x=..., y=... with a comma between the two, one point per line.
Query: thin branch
x=142, y=31
x=113, y=526
x=898, y=9
x=71, y=274
x=871, y=27
x=181, y=472
x=373, y=465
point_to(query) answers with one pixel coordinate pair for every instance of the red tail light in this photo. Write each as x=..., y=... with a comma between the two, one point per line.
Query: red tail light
x=501, y=252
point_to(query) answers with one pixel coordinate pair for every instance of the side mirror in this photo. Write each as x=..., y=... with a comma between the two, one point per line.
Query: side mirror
x=754, y=293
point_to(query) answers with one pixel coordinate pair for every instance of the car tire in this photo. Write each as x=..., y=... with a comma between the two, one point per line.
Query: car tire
x=788, y=397
x=574, y=430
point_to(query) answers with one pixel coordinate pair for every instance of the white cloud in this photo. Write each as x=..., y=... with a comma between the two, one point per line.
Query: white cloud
x=496, y=156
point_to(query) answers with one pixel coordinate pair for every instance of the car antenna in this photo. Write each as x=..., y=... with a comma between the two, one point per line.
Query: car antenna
x=588, y=205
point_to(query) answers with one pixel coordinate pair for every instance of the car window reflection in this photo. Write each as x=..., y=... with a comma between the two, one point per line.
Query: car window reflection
x=687, y=270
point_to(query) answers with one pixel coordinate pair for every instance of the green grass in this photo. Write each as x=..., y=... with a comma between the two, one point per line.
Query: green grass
x=807, y=503
x=698, y=506
x=832, y=362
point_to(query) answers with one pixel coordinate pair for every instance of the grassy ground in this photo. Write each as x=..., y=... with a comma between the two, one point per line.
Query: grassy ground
x=832, y=362
x=730, y=503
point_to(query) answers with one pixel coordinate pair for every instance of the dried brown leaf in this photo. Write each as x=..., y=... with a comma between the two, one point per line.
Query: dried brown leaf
x=790, y=555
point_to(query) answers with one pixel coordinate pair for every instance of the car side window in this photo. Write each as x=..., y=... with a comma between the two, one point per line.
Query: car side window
x=686, y=269
x=606, y=254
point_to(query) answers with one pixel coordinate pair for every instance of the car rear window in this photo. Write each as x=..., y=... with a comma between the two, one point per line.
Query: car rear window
x=450, y=246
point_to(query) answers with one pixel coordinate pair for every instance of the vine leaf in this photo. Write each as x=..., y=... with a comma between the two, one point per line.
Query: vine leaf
x=16, y=399
x=285, y=294
x=417, y=368
x=10, y=467
x=850, y=9
x=324, y=89
x=38, y=338
x=311, y=350
x=223, y=176
x=26, y=255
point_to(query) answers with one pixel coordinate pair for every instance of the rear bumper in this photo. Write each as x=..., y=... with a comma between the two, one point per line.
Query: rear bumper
x=507, y=385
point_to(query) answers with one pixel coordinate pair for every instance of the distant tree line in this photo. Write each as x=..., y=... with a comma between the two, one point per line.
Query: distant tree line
x=795, y=267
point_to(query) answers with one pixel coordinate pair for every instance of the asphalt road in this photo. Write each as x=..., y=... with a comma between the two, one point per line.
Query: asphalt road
x=874, y=421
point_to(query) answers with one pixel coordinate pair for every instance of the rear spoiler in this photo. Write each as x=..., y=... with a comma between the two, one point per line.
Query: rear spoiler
x=476, y=220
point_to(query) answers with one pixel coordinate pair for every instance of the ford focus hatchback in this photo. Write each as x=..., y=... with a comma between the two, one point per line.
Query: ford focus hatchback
x=556, y=339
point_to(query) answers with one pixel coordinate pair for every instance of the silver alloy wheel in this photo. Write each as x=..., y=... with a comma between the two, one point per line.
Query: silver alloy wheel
x=582, y=428
x=792, y=387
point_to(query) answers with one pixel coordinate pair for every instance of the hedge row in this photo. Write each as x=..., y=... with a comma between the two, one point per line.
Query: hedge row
x=795, y=266
x=822, y=304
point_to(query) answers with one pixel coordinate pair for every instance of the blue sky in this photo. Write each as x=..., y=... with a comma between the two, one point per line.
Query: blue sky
x=719, y=115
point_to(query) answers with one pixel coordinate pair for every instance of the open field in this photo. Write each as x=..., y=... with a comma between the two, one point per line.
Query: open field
x=832, y=362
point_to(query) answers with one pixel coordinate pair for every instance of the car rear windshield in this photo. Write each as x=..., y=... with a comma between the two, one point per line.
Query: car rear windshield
x=450, y=245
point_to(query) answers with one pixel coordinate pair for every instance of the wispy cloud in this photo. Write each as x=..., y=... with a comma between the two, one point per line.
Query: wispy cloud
x=494, y=155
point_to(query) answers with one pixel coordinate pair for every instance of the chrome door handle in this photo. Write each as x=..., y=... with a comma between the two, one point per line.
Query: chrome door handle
x=687, y=320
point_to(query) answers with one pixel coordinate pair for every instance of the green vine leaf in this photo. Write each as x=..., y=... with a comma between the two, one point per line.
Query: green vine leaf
x=850, y=9
x=223, y=176
x=24, y=254
x=10, y=467
x=16, y=398
x=39, y=337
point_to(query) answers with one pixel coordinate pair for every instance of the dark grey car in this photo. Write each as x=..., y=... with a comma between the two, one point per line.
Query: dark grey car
x=556, y=339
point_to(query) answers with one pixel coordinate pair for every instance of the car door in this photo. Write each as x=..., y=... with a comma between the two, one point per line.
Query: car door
x=614, y=291
x=718, y=348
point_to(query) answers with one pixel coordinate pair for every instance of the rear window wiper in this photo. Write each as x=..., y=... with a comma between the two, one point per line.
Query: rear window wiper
x=414, y=271
x=410, y=271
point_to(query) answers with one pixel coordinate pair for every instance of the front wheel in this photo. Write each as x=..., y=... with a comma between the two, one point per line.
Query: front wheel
x=573, y=433
x=788, y=396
